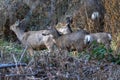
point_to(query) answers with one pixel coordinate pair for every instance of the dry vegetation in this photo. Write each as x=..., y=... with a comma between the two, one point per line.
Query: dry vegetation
x=66, y=66
x=59, y=67
x=112, y=21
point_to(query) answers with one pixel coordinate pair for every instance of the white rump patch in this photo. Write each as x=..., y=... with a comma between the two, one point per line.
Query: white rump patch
x=110, y=37
x=87, y=39
x=94, y=15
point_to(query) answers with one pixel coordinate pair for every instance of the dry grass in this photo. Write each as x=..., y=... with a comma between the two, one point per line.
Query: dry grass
x=112, y=22
x=59, y=67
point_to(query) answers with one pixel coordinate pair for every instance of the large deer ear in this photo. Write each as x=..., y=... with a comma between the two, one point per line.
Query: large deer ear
x=69, y=19
x=17, y=22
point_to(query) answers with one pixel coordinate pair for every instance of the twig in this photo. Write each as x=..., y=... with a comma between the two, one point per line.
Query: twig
x=18, y=75
x=29, y=64
x=78, y=77
x=32, y=73
x=15, y=62
x=23, y=53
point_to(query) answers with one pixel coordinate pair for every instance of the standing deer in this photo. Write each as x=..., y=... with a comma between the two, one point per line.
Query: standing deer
x=35, y=40
x=102, y=37
x=72, y=41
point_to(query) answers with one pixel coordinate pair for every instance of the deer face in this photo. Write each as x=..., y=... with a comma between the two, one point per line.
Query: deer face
x=15, y=25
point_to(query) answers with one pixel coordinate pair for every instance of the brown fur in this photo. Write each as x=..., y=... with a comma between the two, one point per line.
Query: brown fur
x=64, y=28
x=71, y=41
x=104, y=38
x=35, y=40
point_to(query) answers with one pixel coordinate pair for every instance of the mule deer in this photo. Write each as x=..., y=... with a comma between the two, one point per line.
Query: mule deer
x=72, y=41
x=104, y=38
x=35, y=40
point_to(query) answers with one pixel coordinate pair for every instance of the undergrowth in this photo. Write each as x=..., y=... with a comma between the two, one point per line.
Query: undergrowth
x=97, y=51
x=8, y=49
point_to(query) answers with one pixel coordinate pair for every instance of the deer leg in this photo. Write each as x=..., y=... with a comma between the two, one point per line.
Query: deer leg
x=32, y=61
x=30, y=51
x=50, y=48
x=79, y=48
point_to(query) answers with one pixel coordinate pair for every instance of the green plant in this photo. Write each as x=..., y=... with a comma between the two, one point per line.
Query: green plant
x=9, y=48
x=99, y=50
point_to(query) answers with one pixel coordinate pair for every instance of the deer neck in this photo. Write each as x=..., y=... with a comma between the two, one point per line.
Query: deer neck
x=19, y=34
x=55, y=33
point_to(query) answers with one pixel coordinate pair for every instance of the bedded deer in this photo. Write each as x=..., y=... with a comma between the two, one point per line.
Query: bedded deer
x=35, y=40
x=102, y=37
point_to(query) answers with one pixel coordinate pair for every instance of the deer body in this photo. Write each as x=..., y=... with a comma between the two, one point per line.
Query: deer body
x=104, y=38
x=35, y=40
x=74, y=40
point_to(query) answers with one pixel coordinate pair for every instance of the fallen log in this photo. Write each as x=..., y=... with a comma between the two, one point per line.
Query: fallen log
x=2, y=66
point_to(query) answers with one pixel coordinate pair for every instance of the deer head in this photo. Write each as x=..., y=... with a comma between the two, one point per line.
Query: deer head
x=15, y=25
